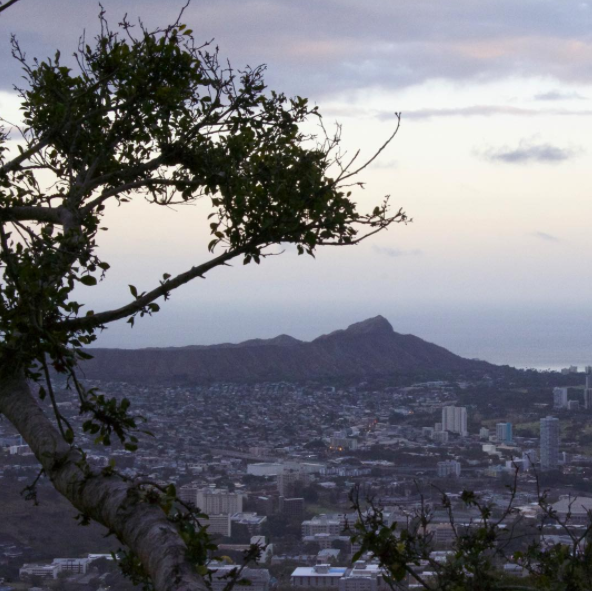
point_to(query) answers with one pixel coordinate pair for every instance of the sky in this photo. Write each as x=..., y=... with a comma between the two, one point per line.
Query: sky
x=492, y=162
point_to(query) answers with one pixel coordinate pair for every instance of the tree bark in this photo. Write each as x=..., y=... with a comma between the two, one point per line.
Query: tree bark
x=109, y=500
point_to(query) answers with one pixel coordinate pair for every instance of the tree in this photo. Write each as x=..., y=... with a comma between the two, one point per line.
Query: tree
x=145, y=114
x=498, y=536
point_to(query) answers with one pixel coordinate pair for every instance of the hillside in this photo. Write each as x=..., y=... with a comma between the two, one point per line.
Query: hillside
x=366, y=349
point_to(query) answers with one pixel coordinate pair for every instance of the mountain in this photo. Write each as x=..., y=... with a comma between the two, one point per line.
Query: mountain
x=367, y=349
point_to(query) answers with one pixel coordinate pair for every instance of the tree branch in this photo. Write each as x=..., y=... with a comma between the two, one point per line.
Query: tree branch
x=140, y=184
x=31, y=213
x=8, y=4
x=96, y=320
x=107, y=499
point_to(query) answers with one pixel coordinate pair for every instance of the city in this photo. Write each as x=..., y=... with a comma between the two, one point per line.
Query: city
x=281, y=475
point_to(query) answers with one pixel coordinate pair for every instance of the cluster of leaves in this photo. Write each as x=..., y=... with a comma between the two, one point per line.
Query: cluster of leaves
x=406, y=551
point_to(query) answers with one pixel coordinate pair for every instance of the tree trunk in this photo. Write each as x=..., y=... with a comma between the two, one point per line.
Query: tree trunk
x=143, y=527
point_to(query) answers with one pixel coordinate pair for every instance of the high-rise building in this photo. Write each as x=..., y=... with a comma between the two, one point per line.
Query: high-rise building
x=560, y=398
x=549, y=443
x=503, y=432
x=454, y=419
x=215, y=501
x=588, y=389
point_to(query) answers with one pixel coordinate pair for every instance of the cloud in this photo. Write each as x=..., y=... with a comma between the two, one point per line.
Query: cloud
x=558, y=95
x=396, y=252
x=546, y=237
x=318, y=48
x=472, y=111
x=385, y=165
x=486, y=111
x=528, y=152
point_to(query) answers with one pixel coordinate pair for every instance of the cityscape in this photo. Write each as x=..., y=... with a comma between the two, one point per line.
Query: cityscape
x=293, y=295
x=281, y=475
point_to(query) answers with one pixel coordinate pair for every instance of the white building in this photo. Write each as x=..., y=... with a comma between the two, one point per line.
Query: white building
x=454, y=420
x=320, y=575
x=549, y=443
x=323, y=524
x=265, y=469
x=363, y=576
x=44, y=571
x=560, y=398
x=217, y=500
x=78, y=566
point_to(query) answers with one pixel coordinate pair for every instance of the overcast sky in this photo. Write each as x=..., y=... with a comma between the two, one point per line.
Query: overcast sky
x=493, y=161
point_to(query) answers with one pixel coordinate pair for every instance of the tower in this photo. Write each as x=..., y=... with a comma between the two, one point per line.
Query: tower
x=454, y=419
x=549, y=443
x=503, y=432
x=588, y=388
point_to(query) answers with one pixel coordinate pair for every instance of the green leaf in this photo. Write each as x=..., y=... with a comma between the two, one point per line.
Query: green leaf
x=88, y=280
x=133, y=291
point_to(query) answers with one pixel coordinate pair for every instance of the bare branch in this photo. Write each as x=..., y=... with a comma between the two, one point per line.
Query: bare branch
x=7, y=5
x=374, y=157
x=96, y=320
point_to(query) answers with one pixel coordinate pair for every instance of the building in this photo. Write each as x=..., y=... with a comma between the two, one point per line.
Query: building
x=219, y=524
x=265, y=469
x=325, y=541
x=440, y=437
x=78, y=566
x=188, y=493
x=258, y=578
x=454, y=420
x=320, y=575
x=448, y=468
x=588, y=389
x=264, y=505
x=292, y=507
x=575, y=510
x=363, y=576
x=444, y=534
x=44, y=571
x=251, y=521
x=218, y=500
x=503, y=432
x=288, y=479
x=323, y=524
x=560, y=398
x=484, y=433
x=342, y=443
x=549, y=448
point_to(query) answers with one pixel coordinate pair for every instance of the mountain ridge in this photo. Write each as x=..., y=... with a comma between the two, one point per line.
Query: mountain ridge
x=366, y=349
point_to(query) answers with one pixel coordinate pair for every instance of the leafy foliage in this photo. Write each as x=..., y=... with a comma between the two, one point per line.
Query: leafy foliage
x=406, y=551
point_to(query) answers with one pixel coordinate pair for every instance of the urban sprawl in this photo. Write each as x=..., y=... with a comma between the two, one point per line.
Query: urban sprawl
x=274, y=464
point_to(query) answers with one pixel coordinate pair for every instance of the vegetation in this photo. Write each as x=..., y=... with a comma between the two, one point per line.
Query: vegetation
x=500, y=535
